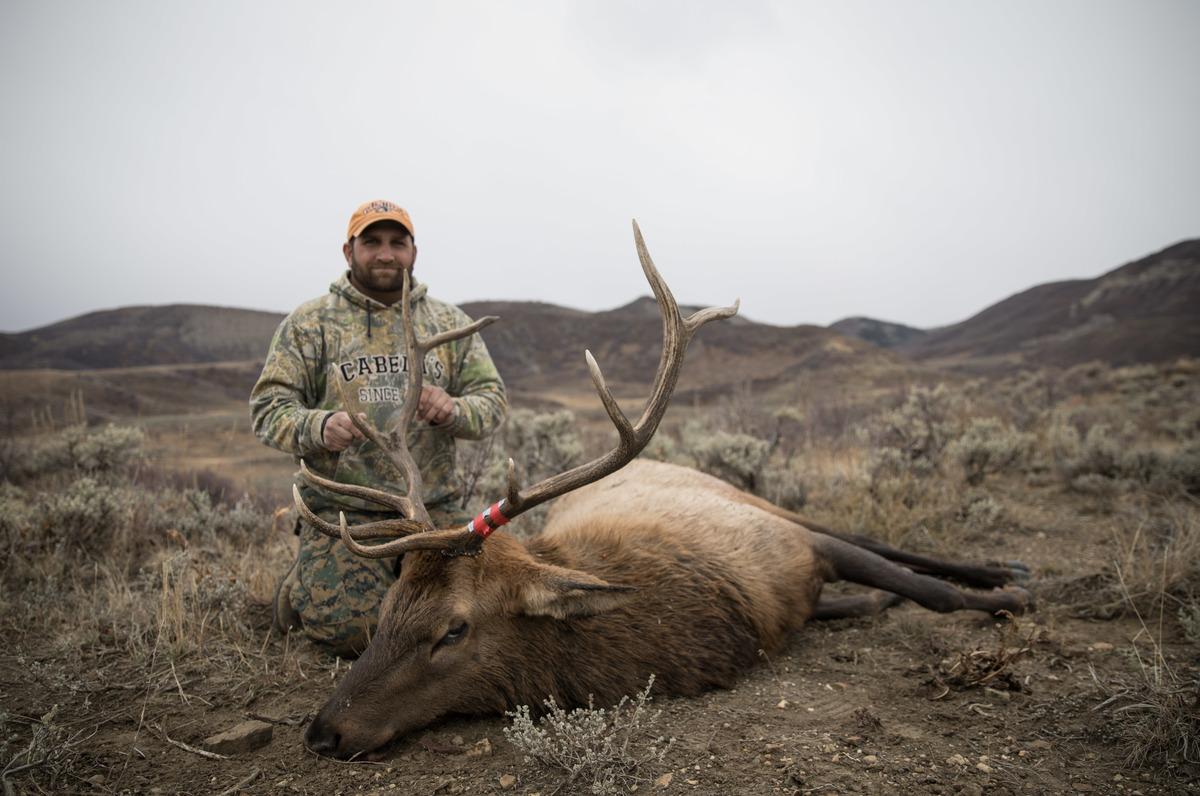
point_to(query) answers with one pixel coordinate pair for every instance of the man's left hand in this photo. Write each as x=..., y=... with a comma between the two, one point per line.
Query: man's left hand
x=436, y=406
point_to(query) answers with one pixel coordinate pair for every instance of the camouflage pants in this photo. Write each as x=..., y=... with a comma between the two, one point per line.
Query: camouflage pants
x=337, y=593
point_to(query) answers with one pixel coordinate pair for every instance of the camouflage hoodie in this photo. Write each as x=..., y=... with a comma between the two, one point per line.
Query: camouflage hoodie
x=348, y=336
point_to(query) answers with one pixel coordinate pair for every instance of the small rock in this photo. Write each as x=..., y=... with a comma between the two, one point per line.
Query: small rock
x=984, y=767
x=457, y=740
x=1040, y=744
x=772, y=747
x=241, y=738
x=664, y=781
x=96, y=780
x=870, y=759
x=507, y=781
x=480, y=749
x=783, y=703
x=956, y=760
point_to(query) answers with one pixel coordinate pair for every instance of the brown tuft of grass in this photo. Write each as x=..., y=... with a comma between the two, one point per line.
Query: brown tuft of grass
x=1157, y=712
x=1155, y=566
x=991, y=667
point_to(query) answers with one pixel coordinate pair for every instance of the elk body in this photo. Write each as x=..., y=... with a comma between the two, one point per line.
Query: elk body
x=643, y=568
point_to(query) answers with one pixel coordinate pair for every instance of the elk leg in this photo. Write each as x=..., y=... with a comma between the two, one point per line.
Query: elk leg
x=858, y=565
x=855, y=605
x=978, y=575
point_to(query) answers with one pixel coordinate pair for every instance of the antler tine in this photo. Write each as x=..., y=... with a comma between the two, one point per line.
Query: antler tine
x=405, y=504
x=384, y=529
x=677, y=333
x=416, y=518
x=416, y=350
x=451, y=542
x=397, y=503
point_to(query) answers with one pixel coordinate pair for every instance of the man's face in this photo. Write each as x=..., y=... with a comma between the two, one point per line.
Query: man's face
x=378, y=257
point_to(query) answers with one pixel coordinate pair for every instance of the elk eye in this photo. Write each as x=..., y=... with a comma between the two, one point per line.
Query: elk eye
x=453, y=635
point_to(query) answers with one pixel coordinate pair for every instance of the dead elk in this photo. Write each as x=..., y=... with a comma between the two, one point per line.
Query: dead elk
x=644, y=568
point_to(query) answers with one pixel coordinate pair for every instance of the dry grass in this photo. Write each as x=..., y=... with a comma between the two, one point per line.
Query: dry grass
x=1153, y=563
x=991, y=667
x=118, y=580
x=146, y=584
x=1157, y=711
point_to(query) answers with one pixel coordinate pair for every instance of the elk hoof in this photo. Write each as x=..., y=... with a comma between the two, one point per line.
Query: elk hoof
x=1017, y=571
x=1025, y=602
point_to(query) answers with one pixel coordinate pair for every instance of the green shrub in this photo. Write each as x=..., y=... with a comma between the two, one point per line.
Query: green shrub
x=602, y=751
x=1100, y=454
x=1184, y=468
x=918, y=431
x=989, y=446
x=783, y=487
x=1085, y=463
x=1189, y=619
x=982, y=513
x=16, y=513
x=82, y=450
x=1184, y=425
x=736, y=458
x=84, y=515
x=743, y=460
x=196, y=516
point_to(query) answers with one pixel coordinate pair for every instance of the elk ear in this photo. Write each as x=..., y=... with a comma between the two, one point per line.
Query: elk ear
x=564, y=593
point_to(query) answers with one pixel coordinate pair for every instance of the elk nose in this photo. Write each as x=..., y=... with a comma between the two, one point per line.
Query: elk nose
x=322, y=738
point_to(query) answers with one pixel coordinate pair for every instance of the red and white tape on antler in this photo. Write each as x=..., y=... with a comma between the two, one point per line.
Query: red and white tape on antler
x=488, y=520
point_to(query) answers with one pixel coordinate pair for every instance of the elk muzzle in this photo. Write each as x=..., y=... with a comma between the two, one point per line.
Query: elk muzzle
x=337, y=732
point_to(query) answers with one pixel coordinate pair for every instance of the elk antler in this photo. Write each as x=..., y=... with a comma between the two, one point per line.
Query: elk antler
x=633, y=437
x=415, y=518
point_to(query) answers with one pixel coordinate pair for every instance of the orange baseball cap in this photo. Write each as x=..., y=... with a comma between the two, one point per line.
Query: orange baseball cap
x=378, y=210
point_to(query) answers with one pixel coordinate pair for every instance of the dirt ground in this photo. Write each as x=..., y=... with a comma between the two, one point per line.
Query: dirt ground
x=853, y=706
x=906, y=702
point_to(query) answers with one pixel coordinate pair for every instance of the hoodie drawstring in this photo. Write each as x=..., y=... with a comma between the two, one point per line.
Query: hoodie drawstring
x=368, y=321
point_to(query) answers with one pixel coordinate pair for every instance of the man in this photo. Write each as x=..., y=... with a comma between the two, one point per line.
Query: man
x=354, y=334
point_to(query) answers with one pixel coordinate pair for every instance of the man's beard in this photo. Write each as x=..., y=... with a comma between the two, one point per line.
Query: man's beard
x=375, y=279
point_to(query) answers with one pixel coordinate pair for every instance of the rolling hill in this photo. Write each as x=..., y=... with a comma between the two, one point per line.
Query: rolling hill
x=138, y=357
x=884, y=334
x=174, y=334
x=1144, y=311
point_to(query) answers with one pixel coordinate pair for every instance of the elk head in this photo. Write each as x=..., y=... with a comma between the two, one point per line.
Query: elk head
x=462, y=615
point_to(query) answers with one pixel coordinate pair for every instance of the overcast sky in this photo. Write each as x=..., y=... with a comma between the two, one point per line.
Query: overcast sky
x=911, y=161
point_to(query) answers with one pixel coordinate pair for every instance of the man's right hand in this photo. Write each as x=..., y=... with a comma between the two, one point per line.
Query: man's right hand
x=340, y=432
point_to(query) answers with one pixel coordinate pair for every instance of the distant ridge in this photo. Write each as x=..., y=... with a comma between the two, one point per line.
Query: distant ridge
x=171, y=334
x=1145, y=311
x=538, y=347
x=884, y=334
